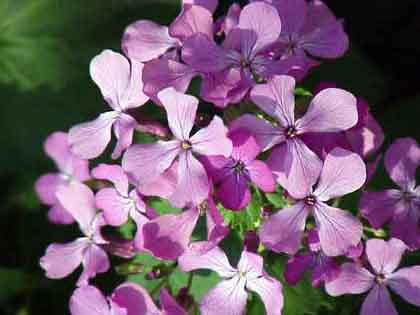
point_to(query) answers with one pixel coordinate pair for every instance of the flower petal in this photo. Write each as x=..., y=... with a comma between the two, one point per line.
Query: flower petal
x=58, y=215
x=193, y=184
x=88, y=140
x=123, y=128
x=181, y=110
x=146, y=162
x=46, y=187
x=338, y=229
x=95, y=260
x=277, y=99
x=234, y=192
x=384, y=257
x=212, y=140
x=113, y=173
x=57, y=148
x=283, y=231
x=263, y=20
x=193, y=19
x=210, y=5
x=331, y=110
x=216, y=227
x=163, y=186
x=292, y=14
x=60, y=260
x=227, y=297
x=379, y=207
x=145, y=40
x=169, y=305
x=88, y=300
x=134, y=298
x=115, y=207
x=261, y=175
x=296, y=267
x=245, y=147
x=168, y=236
x=406, y=283
x=353, y=279
x=343, y=172
x=405, y=226
x=265, y=133
x=214, y=259
x=270, y=291
x=401, y=161
x=378, y=302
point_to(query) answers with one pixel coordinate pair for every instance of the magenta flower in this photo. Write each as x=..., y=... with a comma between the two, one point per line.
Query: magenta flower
x=230, y=69
x=60, y=260
x=119, y=203
x=324, y=268
x=236, y=173
x=331, y=110
x=399, y=206
x=146, y=162
x=384, y=258
x=169, y=236
x=230, y=295
x=71, y=168
x=127, y=299
x=120, y=82
x=343, y=172
x=309, y=29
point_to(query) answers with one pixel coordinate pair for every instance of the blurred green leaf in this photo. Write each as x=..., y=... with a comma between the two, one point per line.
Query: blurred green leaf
x=162, y=206
x=12, y=281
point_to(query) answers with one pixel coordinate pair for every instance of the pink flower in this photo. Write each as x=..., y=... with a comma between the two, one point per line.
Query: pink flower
x=399, y=206
x=236, y=173
x=127, y=299
x=384, y=258
x=332, y=110
x=146, y=162
x=120, y=82
x=230, y=295
x=343, y=172
x=71, y=168
x=60, y=260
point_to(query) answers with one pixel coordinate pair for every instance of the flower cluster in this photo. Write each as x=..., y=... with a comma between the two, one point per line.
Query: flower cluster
x=307, y=150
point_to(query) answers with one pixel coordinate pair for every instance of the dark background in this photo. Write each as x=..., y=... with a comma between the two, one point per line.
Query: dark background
x=45, y=49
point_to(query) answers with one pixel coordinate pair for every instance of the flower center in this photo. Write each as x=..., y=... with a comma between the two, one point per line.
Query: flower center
x=203, y=207
x=380, y=278
x=239, y=167
x=310, y=200
x=290, y=132
x=186, y=145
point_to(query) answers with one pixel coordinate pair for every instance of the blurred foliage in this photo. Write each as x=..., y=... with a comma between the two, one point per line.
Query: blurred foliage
x=45, y=49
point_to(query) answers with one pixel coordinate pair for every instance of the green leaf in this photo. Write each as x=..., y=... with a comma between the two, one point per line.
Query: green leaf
x=163, y=206
x=277, y=200
x=12, y=281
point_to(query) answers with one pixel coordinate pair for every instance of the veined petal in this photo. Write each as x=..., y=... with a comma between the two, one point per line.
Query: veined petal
x=113, y=173
x=292, y=14
x=123, y=128
x=168, y=236
x=212, y=140
x=234, y=192
x=338, y=229
x=385, y=256
x=135, y=299
x=405, y=227
x=58, y=215
x=353, y=279
x=181, y=110
x=265, y=133
x=227, y=297
x=193, y=19
x=343, y=172
x=193, y=184
x=245, y=147
x=88, y=140
x=133, y=95
x=406, y=283
x=216, y=227
x=163, y=186
x=296, y=267
x=145, y=40
x=283, y=231
x=331, y=110
x=261, y=175
x=401, y=161
x=60, y=260
x=169, y=305
x=88, y=300
x=115, y=206
x=277, y=98
x=378, y=302
x=214, y=259
x=95, y=260
x=146, y=162
x=270, y=291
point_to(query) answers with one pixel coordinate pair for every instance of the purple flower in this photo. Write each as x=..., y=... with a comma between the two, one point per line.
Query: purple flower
x=230, y=295
x=120, y=82
x=210, y=5
x=343, y=172
x=324, y=268
x=119, y=203
x=229, y=69
x=127, y=299
x=331, y=110
x=309, y=29
x=146, y=162
x=71, y=168
x=399, y=206
x=60, y=260
x=384, y=258
x=236, y=173
x=169, y=236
